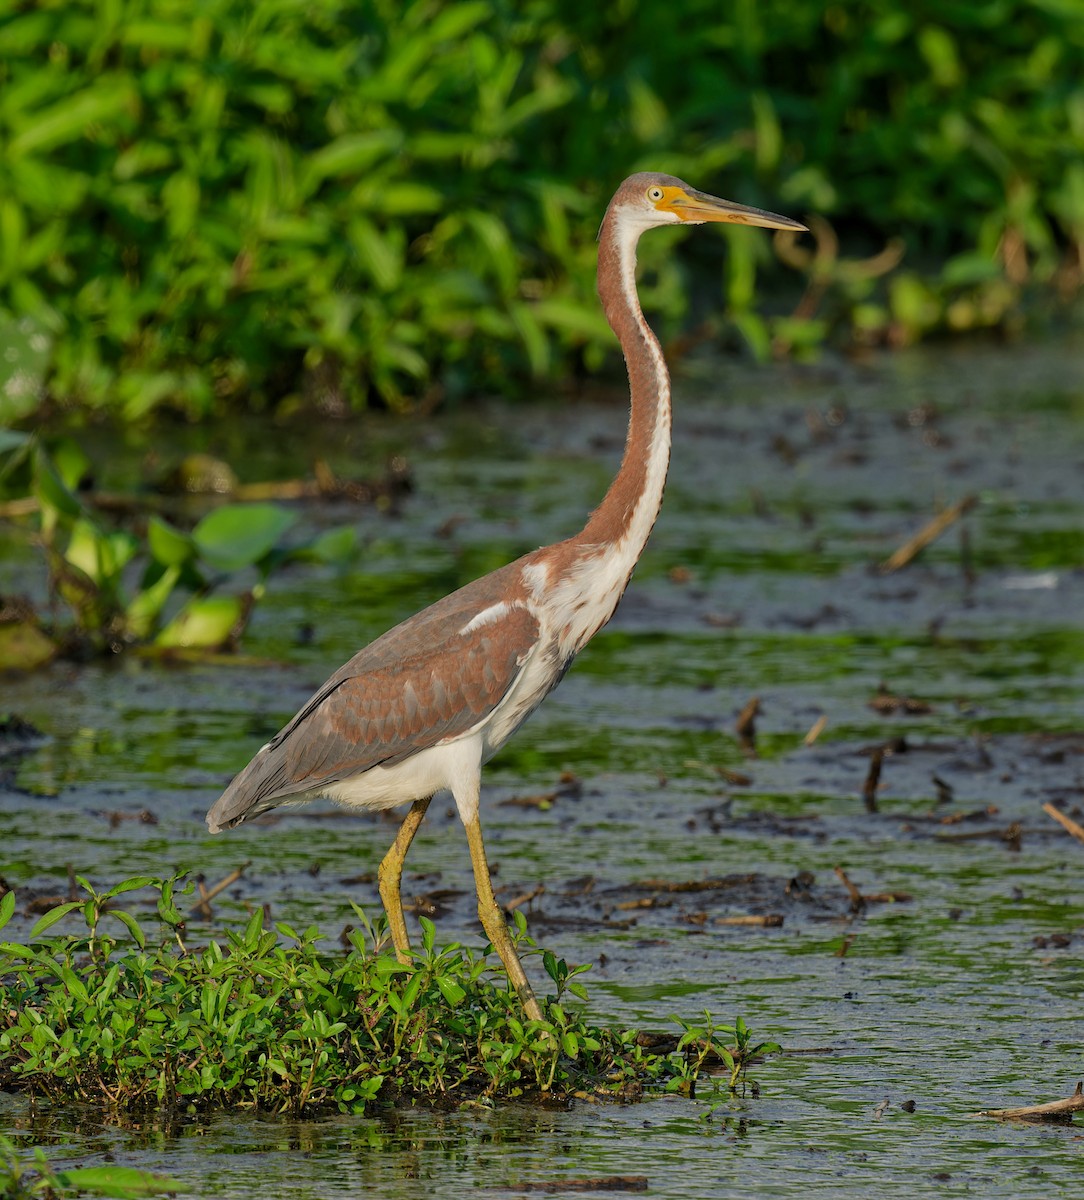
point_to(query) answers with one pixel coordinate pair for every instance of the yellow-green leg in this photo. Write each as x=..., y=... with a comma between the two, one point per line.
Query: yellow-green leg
x=389, y=877
x=493, y=921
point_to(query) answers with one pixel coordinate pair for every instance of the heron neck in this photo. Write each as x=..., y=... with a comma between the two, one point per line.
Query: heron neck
x=628, y=511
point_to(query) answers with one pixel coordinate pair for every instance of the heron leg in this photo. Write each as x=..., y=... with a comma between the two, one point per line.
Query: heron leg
x=390, y=878
x=493, y=922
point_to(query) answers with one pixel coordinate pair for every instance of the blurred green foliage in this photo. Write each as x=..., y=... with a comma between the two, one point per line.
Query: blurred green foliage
x=155, y=585
x=262, y=201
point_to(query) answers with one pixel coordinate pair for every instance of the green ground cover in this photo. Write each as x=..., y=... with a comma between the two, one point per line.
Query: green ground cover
x=266, y=1020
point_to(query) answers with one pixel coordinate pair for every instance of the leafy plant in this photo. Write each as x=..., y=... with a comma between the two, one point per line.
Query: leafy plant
x=732, y=1045
x=20, y=1180
x=265, y=1019
x=341, y=201
x=122, y=587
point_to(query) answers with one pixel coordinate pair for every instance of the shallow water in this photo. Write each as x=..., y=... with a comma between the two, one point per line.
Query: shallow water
x=788, y=487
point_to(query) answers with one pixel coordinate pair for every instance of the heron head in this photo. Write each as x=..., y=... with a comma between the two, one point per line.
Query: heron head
x=653, y=199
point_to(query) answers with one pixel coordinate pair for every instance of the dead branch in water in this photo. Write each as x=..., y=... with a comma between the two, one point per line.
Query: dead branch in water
x=1056, y=1110
x=1067, y=823
x=930, y=532
x=203, y=908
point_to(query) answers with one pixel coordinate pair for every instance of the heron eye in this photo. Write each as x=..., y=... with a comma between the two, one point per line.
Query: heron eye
x=654, y=193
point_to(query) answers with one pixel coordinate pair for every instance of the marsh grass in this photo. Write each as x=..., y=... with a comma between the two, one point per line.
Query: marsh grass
x=267, y=1019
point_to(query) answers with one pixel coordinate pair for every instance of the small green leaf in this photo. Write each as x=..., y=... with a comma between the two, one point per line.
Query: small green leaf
x=332, y=546
x=143, y=610
x=74, y=984
x=130, y=885
x=239, y=535
x=450, y=990
x=169, y=546
x=71, y=462
x=205, y=622
x=51, y=493
x=49, y=919
x=122, y=1183
x=7, y=907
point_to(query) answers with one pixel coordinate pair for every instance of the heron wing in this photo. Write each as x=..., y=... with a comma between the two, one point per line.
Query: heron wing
x=424, y=682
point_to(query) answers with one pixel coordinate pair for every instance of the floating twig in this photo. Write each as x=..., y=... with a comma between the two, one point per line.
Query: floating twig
x=203, y=908
x=524, y=898
x=930, y=532
x=691, y=885
x=886, y=702
x=858, y=901
x=767, y=921
x=818, y=727
x=1067, y=823
x=602, y=1183
x=1056, y=1110
x=540, y=800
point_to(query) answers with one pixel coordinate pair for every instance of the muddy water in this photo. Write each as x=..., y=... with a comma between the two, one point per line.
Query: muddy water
x=629, y=799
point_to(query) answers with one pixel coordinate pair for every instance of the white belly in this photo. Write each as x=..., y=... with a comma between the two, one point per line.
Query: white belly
x=415, y=778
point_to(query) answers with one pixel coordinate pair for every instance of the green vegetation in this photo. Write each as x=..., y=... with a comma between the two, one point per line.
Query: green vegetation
x=270, y=203
x=288, y=1028
x=158, y=587
x=22, y=1181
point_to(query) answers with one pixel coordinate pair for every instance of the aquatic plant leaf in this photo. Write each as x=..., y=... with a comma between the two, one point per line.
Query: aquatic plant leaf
x=331, y=546
x=53, y=496
x=119, y=1182
x=169, y=546
x=238, y=535
x=24, y=647
x=101, y=556
x=141, y=613
x=7, y=907
x=71, y=462
x=205, y=623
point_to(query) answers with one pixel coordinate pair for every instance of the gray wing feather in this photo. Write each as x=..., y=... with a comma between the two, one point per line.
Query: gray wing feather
x=421, y=683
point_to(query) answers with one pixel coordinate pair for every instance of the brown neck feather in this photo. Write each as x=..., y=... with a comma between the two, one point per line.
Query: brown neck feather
x=649, y=385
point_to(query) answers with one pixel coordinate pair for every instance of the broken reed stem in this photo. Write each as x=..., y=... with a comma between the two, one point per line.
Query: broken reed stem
x=873, y=778
x=746, y=727
x=1067, y=823
x=746, y=724
x=525, y=898
x=767, y=921
x=203, y=908
x=858, y=901
x=930, y=532
x=817, y=728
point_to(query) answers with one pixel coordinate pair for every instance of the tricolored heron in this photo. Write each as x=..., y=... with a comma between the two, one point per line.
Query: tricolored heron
x=424, y=706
